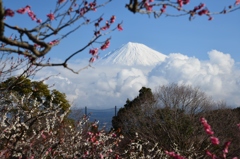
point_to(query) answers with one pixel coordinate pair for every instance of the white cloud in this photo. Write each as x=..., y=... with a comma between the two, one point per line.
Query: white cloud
x=217, y=77
x=223, y=61
x=107, y=86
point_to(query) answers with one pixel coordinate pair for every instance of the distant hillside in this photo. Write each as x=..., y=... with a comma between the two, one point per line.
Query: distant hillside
x=104, y=116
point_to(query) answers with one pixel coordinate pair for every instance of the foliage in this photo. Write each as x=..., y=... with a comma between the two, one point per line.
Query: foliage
x=134, y=110
x=38, y=90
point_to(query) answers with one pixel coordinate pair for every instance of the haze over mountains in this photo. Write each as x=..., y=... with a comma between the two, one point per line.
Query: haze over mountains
x=121, y=74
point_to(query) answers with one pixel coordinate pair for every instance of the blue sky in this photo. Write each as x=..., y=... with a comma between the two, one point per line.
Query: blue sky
x=165, y=34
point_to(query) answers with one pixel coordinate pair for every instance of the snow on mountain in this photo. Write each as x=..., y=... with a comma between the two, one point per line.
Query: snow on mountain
x=133, y=54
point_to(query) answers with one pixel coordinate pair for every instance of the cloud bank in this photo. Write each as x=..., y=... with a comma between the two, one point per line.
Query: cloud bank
x=107, y=86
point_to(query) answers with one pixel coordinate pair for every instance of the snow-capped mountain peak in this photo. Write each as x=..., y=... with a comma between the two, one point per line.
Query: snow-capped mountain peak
x=133, y=54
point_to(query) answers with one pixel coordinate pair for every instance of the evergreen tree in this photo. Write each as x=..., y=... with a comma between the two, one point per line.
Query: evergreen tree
x=38, y=91
x=132, y=109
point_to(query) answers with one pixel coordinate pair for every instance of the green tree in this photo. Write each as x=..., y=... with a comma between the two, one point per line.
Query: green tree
x=38, y=91
x=126, y=118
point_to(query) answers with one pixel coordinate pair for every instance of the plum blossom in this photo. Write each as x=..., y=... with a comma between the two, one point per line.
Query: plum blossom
x=237, y=2
x=107, y=26
x=100, y=19
x=39, y=21
x=225, y=150
x=119, y=27
x=163, y=9
x=202, y=12
x=112, y=19
x=211, y=155
x=82, y=11
x=61, y=1
x=51, y=16
x=96, y=33
x=182, y=2
x=214, y=140
x=148, y=7
x=210, y=18
x=186, y=1
x=92, y=6
x=92, y=59
x=94, y=51
x=54, y=42
x=9, y=12
x=43, y=136
x=174, y=155
x=105, y=45
x=23, y=10
x=199, y=7
x=32, y=15
x=206, y=126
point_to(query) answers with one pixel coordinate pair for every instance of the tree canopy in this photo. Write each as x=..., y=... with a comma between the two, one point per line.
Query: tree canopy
x=38, y=90
x=134, y=109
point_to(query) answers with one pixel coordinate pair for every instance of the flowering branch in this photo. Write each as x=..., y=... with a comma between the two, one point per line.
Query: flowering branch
x=151, y=7
x=39, y=39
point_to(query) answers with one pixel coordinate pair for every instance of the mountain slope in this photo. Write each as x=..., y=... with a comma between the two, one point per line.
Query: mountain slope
x=133, y=54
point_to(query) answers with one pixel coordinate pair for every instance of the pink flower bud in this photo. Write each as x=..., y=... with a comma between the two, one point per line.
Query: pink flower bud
x=51, y=16
x=214, y=140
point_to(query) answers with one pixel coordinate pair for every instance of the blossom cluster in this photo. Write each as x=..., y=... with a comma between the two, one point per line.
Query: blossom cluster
x=214, y=140
x=149, y=6
x=33, y=129
x=182, y=2
x=26, y=9
x=98, y=32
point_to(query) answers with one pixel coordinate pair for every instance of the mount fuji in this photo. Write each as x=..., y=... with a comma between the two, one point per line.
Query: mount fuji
x=132, y=54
